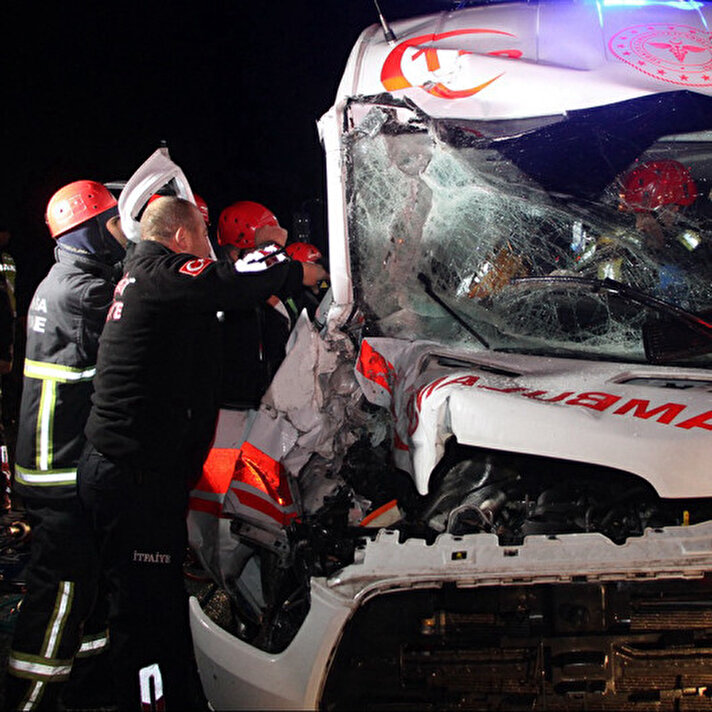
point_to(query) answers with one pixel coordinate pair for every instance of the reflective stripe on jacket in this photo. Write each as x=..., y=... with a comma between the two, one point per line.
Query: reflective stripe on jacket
x=64, y=322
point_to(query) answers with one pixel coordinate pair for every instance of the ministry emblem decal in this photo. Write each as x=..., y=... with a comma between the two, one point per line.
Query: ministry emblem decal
x=672, y=53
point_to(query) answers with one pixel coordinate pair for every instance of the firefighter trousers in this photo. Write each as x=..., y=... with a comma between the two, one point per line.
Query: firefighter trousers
x=59, y=646
x=139, y=522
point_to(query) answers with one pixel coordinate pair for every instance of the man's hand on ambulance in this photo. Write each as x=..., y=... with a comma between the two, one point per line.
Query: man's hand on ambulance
x=313, y=274
x=270, y=233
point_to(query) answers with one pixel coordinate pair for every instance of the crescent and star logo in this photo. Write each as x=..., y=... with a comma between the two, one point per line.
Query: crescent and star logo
x=194, y=267
x=395, y=72
x=672, y=53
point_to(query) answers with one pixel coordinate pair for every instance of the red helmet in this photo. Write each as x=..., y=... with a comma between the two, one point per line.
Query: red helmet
x=238, y=222
x=202, y=205
x=303, y=252
x=650, y=185
x=76, y=203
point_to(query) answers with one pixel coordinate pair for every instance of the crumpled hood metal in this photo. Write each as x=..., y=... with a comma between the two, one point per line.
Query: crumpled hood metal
x=614, y=415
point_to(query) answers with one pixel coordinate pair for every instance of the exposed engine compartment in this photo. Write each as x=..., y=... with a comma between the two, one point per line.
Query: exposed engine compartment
x=514, y=495
x=474, y=491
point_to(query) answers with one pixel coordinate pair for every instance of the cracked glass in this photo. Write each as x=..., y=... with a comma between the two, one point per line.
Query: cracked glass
x=452, y=225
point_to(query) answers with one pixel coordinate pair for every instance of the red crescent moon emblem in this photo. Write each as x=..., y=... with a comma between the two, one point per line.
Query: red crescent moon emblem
x=194, y=267
x=393, y=78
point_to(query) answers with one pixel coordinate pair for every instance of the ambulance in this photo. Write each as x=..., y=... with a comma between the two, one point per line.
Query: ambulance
x=482, y=477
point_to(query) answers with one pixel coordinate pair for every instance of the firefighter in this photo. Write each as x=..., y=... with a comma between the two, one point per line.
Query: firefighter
x=199, y=201
x=151, y=423
x=657, y=193
x=203, y=207
x=8, y=267
x=245, y=225
x=64, y=322
x=306, y=252
x=253, y=339
x=665, y=248
x=8, y=401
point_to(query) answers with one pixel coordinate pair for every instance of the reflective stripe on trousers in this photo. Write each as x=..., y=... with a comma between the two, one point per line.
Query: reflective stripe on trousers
x=151, y=687
x=44, y=668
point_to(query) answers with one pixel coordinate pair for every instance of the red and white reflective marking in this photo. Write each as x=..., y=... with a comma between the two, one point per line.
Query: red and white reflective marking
x=194, y=267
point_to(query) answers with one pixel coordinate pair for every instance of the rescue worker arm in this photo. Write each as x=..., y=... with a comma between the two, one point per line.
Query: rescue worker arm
x=313, y=274
x=205, y=284
x=93, y=306
x=270, y=233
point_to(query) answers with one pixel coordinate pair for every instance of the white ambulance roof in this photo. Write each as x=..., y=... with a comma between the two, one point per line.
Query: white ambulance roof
x=519, y=59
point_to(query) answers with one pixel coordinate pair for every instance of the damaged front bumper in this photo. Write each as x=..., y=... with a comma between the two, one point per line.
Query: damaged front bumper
x=237, y=674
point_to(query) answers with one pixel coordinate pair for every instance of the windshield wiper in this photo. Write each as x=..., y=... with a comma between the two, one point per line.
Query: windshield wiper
x=658, y=348
x=428, y=288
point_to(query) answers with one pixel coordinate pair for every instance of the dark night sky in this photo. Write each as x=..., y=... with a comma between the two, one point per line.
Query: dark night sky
x=235, y=88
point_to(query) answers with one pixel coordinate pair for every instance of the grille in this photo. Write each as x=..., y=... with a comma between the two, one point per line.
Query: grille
x=614, y=646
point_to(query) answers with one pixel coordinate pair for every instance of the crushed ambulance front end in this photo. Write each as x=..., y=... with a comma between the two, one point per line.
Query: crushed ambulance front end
x=480, y=479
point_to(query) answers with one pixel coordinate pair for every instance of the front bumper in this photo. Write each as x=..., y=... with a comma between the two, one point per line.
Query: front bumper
x=236, y=675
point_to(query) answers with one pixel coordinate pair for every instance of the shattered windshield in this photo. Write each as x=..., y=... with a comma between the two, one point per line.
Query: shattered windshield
x=449, y=221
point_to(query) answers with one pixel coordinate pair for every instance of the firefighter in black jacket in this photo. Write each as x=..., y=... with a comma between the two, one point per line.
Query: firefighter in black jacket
x=152, y=420
x=64, y=322
x=253, y=339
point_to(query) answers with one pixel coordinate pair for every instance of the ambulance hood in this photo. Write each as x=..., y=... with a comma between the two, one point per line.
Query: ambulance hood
x=654, y=423
x=517, y=60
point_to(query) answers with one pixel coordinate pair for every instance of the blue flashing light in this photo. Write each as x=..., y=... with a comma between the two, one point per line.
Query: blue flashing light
x=678, y=4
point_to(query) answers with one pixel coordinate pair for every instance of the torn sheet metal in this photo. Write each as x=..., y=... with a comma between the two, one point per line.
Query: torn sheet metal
x=157, y=171
x=309, y=416
x=316, y=393
x=208, y=529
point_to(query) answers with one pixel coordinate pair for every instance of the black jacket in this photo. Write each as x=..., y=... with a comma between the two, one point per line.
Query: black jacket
x=156, y=391
x=254, y=346
x=64, y=322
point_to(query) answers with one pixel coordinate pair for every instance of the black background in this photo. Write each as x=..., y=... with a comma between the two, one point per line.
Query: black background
x=234, y=88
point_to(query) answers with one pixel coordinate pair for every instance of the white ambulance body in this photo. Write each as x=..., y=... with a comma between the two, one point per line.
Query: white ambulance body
x=481, y=478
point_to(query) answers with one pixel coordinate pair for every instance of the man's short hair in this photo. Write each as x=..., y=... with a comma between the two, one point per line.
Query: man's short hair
x=164, y=216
